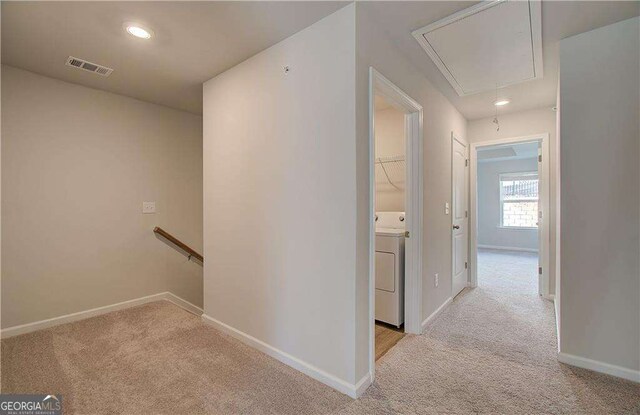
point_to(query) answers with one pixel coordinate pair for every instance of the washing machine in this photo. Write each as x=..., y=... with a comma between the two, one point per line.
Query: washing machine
x=390, y=232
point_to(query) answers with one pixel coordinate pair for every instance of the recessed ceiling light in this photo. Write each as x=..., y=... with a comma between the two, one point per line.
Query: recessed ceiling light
x=138, y=31
x=501, y=102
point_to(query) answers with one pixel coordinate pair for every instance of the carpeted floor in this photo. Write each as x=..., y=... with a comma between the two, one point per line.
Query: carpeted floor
x=492, y=351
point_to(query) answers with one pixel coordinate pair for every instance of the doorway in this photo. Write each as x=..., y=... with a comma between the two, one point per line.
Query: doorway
x=399, y=170
x=390, y=190
x=509, y=220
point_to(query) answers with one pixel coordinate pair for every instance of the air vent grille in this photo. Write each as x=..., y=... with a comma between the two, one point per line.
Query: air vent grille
x=88, y=66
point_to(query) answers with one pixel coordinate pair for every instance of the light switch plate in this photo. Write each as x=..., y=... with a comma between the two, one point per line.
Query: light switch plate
x=446, y=208
x=148, y=207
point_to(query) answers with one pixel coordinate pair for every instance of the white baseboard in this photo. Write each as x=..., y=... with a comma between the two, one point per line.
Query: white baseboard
x=596, y=366
x=507, y=248
x=82, y=315
x=182, y=303
x=363, y=384
x=435, y=314
x=556, y=307
x=352, y=390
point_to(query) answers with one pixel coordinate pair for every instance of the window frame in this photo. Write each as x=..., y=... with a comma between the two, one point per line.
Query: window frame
x=515, y=176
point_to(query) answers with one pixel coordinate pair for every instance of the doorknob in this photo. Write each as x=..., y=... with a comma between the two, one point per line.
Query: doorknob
x=456, y=227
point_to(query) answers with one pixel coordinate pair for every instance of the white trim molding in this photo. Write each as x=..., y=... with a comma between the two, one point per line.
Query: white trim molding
x=556, y=309
x=543, y=206
x=182, y=303
x=94, y=312
x=435, y=314
x=507, y=248
x=349, y=389
x=363, y=384
x=413, y=115
x=601, y=367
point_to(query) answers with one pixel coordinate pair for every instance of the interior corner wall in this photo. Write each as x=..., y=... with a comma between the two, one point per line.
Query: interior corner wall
x=600, y=147
x=558, y=228
x=77, y=163
x=374, y=49
x=490, y=233
x=390, y=142
x=521, y=124
x=280, y=199
x=0, y=220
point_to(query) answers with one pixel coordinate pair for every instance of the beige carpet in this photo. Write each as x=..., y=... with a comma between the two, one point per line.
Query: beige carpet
x=492, y=351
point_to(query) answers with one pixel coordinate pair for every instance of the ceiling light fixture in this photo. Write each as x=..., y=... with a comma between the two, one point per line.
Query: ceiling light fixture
x=138, y=31
x=501, y=102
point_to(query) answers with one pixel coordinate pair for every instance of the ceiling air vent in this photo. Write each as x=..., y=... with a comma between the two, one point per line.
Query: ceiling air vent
x=88, y=66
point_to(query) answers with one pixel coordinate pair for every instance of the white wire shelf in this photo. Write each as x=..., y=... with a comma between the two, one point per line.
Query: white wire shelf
x=390, y=172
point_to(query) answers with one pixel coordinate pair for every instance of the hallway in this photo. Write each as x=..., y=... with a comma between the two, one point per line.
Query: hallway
x=493, y=350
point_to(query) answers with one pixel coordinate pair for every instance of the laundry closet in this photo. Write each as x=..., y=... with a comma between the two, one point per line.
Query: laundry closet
x=390, y=180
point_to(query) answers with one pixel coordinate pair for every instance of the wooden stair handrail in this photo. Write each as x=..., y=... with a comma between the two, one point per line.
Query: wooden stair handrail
x=159, y=231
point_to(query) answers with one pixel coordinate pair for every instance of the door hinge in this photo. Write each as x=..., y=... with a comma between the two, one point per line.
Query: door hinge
x=540, y=158
x=540, y=214
x=406, y=234
x=466, y=162
x=540, y=270
x=466, y=265
x=466, y=214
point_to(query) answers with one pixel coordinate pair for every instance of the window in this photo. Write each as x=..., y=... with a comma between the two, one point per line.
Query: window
x=519, y=200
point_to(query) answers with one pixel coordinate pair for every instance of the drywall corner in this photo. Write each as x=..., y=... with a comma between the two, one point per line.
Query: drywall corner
x=279, y=144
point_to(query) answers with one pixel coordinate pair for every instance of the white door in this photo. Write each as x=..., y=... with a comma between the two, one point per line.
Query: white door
x=540, y=236
x=460, y=213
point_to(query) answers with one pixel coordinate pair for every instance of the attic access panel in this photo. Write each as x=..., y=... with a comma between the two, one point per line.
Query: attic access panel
x=492, y=44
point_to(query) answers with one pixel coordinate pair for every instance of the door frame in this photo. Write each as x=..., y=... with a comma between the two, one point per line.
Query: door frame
x=454, y=137
x=543, y=207
x=413, y=121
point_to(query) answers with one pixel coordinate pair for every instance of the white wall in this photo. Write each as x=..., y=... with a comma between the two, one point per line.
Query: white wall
x=440, y=118
x=520, y=124
x=280, y=198
x=490, y=233
x=600, y=284
x=77, y=163
x=0, y=220
x=390, y=142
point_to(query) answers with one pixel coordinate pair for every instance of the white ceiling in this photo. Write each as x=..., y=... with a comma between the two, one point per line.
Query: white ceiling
x=193, y=42
x=560, y=19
